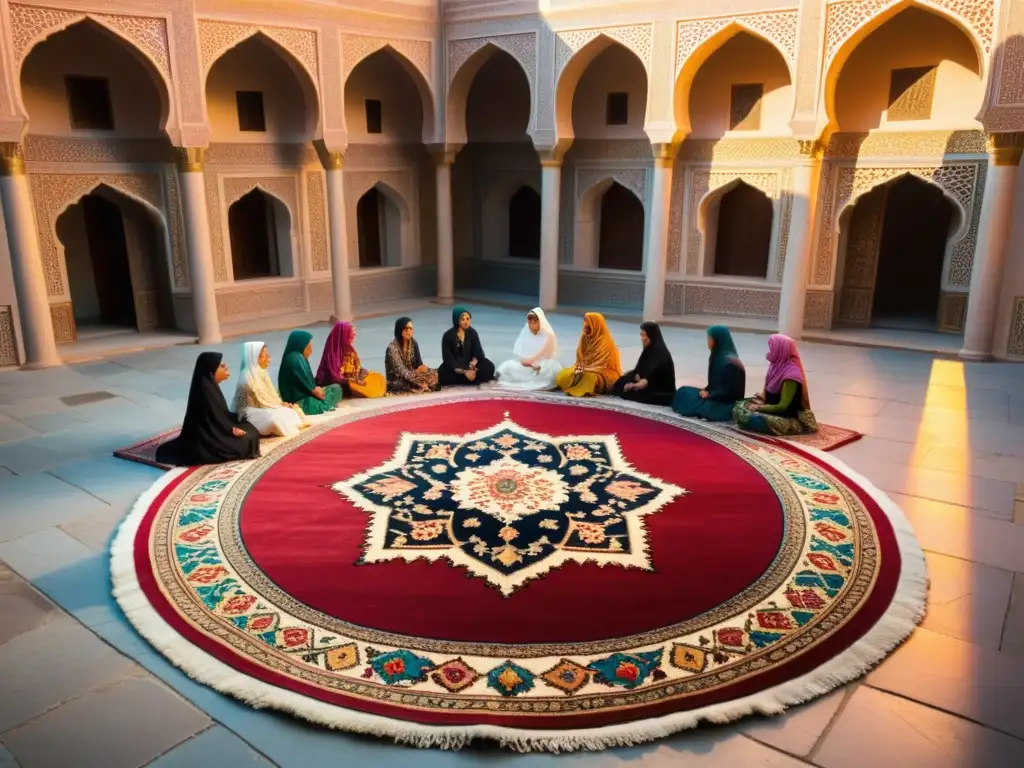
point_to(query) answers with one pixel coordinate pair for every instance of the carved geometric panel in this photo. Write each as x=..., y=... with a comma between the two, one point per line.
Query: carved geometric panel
x=316, y=205
x=952, y=312
x=355, y=48
x=62, y=316
x=818, y=309
x=779, y=28
x=906, y=144
x=911, y=90
x=785, y=217
x=217, y=37
x=1015, y=343
x=257, y=302
x=633, y=179
x=636, y=38
x=52, y=193
x=521, y=46
x=8, y=345
x=704, y=299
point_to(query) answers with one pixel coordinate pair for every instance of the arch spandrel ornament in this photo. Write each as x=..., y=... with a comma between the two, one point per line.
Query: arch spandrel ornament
x=637, y=38
x=355, y=48
x=280, y=187
x=633, y=179
x=778, y=28
x=520, y=46
x=218, y=37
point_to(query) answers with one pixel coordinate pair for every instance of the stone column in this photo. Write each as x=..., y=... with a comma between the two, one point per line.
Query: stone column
x=444, y=158
x=550, y=197
x=798, y=250
x=656, y=236
x=26, y=261
x=197, y=240
x=340, y=286
x=990, y=252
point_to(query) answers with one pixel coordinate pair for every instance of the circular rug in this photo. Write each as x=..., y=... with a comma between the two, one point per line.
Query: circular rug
x=549, y=573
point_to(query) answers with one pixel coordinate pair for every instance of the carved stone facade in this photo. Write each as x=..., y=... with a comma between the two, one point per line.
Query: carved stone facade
x=8, y=345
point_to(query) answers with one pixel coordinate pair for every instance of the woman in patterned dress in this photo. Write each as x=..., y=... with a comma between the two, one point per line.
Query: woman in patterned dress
x=295, y=379
x=340, y=364
x=784, y=408
x=257, y=400
x=597, y=361
x=403, y=364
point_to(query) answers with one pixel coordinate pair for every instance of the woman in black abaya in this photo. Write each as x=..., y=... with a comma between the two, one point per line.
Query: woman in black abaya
x=653, y=381
x=211, y=434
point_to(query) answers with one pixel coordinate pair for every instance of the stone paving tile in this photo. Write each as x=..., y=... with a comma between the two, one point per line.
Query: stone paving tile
x=52, y=664
x=24, y=457
x=93, y=728
x=961, y=678
x=12, y=430
x=964, y=533
x=22, y=608
x=97, y=530
x=7, y=759
x=107, y=477
x=876, y=729
x=36, y=502
x=1013, y=629
x=797, y=730
x=966, y=600
x=214, y=746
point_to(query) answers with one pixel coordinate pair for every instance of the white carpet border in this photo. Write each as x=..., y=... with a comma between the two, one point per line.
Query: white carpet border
x=903, y=615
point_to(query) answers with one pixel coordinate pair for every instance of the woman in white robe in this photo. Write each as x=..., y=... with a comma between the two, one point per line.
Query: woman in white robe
x=536, y=350
x=257, y=400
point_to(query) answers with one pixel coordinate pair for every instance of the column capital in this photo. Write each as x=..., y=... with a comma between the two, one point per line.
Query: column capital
x=444, y=154
x=190, y=159
x=12, y=159
x=1005, y=148
x=664, y=153
x=810, y=149
x=329, y=159
x=551, y=156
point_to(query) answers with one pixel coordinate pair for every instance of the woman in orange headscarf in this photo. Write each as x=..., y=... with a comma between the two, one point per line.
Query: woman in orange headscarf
x=597, y=361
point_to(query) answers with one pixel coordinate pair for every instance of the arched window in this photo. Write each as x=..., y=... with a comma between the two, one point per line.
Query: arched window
x=524, y=224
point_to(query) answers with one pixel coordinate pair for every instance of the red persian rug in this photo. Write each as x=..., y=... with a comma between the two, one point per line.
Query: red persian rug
x=551, y=574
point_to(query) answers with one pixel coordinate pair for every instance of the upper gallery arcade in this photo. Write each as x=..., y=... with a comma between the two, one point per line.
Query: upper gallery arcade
x=806, y=165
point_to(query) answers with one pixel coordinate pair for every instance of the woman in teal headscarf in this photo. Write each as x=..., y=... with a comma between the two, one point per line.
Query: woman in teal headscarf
x=295, y=379
x=463, y=362
x=727, y=379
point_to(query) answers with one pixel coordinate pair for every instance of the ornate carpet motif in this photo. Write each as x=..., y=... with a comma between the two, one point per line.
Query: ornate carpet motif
x=592, y=601
x=508, y=504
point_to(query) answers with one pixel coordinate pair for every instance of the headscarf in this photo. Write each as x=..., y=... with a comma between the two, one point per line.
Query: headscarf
x=655, y=363
x=784, y=364
x=337, y=347
x=597, y=351
x=295, y=379
x=457, y=313
x=255, y=378
x=206, y=416
x=529, y=345
x=723, y=353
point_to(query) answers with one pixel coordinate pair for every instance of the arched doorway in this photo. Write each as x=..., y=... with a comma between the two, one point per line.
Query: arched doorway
x=379, y=224
x=896, y=245
x=741, y=228
x=621, y=230
x=524, y=224
x=260, y=232
x=116, y=262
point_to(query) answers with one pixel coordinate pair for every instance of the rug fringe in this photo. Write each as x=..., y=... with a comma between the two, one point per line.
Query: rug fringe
x=905, y=612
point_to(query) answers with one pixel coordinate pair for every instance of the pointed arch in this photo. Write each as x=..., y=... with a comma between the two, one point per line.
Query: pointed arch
x=571, y=74
x=963, y=218
x=414, y=72
x=839, y=50
x=306, y=79
x=394, y=196
x=761, y=224
x=276, y=244
x=117, y=189
x=155, y=62
x=589, y=230
x=688, y=68
x=461, y=81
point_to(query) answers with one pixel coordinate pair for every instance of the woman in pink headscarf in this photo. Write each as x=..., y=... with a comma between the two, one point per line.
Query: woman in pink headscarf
x=784, y=407
x=340, y=364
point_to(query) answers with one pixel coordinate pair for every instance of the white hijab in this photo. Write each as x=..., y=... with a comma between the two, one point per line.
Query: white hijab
x=529, y=345
x=255, y=378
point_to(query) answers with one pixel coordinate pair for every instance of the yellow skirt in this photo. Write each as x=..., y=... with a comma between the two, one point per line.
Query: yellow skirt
x=375, y=385
x=590, y=384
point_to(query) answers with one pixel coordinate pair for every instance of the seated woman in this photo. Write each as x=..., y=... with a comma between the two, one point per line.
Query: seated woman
x=784, y=408
x=210, y=434
x=295, y=379
x=535, y=366
x=727, y=381
x=256, y=399
x=403, y=364
x=463, y=362
x=597, y=361
x=340, y=365
x=653, y=381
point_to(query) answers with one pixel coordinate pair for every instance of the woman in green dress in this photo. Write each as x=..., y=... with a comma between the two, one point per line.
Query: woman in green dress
x=784, y=408
x=727, y=381
x=295, y=379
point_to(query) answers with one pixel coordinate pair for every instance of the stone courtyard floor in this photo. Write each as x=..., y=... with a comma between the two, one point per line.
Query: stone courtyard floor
x=79, y=688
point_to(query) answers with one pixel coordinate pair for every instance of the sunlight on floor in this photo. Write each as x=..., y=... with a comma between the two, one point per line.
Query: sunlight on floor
x=945, y=416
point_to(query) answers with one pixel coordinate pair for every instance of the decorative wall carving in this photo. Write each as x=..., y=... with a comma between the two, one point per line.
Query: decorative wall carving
x=252, y=303
x=1015, y=342
x=319, y=236
x=785, y=219
x=737, y=150
x=70, y=149
x=355, y=48
x=176, y=226
x=218, y=37
x=963, y=181
x=952, y=312
x=1011, y=62
x=674, y=293
x=8, y=343
x=636, y=38
x=594, y=289
x=846, y=17
x=53, y=192
x=62, y=315
x=260, y=154
x=633, y=179
x=809, y=47
x=521, y=46
x=818, y=309
x=706, y=299
x=31, y=24
x=915, y=144
x=779, y=28
x=374, y=286
x=856, y=295
x=609, y=149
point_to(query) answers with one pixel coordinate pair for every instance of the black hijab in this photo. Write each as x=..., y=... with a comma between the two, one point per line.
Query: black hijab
x=655, y=363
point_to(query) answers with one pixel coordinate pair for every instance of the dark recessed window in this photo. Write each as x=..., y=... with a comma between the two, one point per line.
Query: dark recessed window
x=617, y=112
x=910, y=93
x=250, y=111
x=89, y=103
x=745, y=107
x=374, y=119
